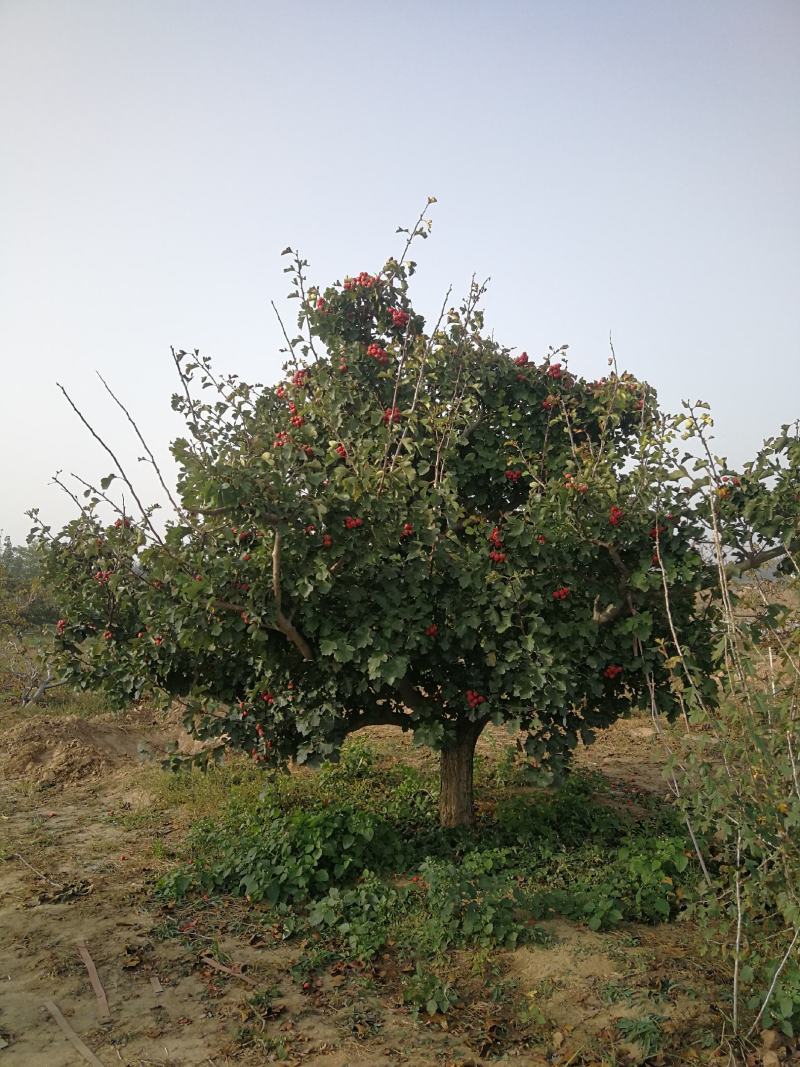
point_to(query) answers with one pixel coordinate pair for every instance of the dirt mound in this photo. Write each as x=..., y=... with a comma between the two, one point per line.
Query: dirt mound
x=55, y=751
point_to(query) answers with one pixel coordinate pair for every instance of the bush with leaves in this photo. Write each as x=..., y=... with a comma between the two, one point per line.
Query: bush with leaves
x=416, y=527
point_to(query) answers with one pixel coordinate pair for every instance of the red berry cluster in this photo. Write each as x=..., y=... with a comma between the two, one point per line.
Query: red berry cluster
x=379, y=354
x=158, y=640
x=342, y=367
x=541, y=539
x=101, y=577
x=309, y=529
x=554, y=370
x=408, y=529
x=570, y=483
x=612, y=671
x=521, y=360
x=550, y=402
x=656, y=532
x=341, y=451
x=363, y=280
x=353, y=524
x=268, y=698
x=562, y=593
x=308, y=451
x=432, y=630
x=496, y=541
x=391, y=415
x=297, y=421
x=327, y=540
x=123, y=522
x=299, y=378
x=513, y=476
x=616, y=515
x=399, y=318
x=281, y=438
x=475, y=699
x=61, y=626
x=107, y=634
x=729, y=479
x=320, y=305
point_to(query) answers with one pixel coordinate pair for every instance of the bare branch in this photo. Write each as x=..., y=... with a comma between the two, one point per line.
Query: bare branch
x=144, y=443
x=607, y=614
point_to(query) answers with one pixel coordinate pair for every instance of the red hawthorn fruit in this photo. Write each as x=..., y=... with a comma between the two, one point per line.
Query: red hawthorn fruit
x=495, y=538
x=562, y=593
x=399, y=318
x=432, y=630
x=268, y=698
x=612, y=671
x=107, y=634
x=522, y=359
x=309, y=529
x=342, y=367
x=391, y=415
x=246, y=557
x=297, y=421
x=61, y=626
x=554, y=370
x=353, y=524
x=341, y=451
x=299, y=377
x=320, y=304
x=292, y=407
x=615, y=515
x=475, y=699
x=541, y=539
x=327, y=540
x=378, y=353
x=157, y=640
x=309, y=451
x=408, y=529
x=513, y=476
x=280, y=392
x=549, y=402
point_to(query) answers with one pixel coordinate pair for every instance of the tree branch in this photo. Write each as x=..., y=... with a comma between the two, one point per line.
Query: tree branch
x=281, y=621
x=751, y=563
x=607, y=614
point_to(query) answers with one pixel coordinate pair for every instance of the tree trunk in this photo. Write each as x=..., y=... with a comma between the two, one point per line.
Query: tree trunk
x=456, y=803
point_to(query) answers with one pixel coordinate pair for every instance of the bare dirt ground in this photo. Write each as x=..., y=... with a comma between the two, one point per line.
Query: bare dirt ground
x=79, y=850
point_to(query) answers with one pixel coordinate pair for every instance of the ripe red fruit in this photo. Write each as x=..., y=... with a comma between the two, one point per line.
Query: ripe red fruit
x=549, y=402
x=521, y=360
x=299, y=377
x=497, y=557
x=246, y=557
x=157, y=640
x=399, y=318
x=541, y=539
x=495, y=539
x=513, y=476
x=353, y=524
x=475, y=699
x=612, y=671
x=432, y=630
x=391, y=415
x=60, y=626
x=268, y=698
x=341, y=451
x=327, y=540
x=297, y=421
x=309, y=529
x=107, y=634
x=615, y=515
x=554, y=371
x=280, y=392
x=320, y=304
x=379, y=354
x=562, y=593
x=408, y=529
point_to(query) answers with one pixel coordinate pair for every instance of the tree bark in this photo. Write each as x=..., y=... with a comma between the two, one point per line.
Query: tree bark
x=456, y=800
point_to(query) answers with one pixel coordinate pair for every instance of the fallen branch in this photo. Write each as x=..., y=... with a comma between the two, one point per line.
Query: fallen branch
x=211, y=962
x=71, y=1036
x=94, y=978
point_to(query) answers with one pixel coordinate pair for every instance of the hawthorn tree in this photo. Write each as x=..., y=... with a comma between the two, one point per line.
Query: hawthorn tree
x=416, y=527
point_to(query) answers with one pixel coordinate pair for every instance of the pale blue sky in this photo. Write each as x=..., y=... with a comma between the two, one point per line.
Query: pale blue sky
x=625, y=166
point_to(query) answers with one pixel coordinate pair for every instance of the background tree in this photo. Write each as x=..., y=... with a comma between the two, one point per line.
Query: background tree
x=416, y=527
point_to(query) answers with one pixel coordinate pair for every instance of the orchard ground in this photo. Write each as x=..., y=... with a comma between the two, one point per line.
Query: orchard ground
x=90, y=822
